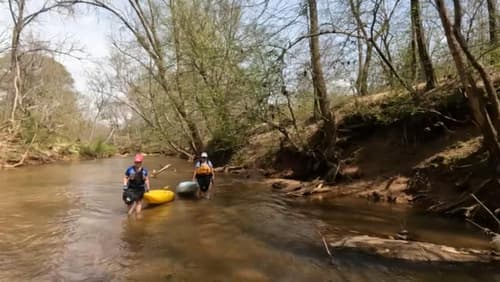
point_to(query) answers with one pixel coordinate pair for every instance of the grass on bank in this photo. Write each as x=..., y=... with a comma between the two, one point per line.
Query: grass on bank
x=97, y=149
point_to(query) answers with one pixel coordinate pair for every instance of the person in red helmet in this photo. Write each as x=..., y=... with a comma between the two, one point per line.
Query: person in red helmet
x=135, y=184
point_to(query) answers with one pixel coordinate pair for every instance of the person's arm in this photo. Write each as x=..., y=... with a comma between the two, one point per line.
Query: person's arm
x=213, y=172
x=146, y=180
x=125, y=179
x=194, y=172
x=147, y=184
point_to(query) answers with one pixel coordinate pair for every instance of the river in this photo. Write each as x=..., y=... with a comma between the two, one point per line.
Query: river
x=67, y=222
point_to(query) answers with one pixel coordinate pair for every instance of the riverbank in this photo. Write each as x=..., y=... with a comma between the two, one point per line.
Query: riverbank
x=14, y=153
x=391, y=149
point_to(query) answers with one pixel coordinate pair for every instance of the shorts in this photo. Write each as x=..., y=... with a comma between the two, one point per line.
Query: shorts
x=132, y=195
x=204, y=182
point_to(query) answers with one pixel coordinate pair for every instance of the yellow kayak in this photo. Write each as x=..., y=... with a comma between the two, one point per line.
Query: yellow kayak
x=159, y=196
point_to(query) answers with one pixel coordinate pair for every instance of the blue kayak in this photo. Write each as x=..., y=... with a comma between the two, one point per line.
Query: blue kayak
x=187, y=188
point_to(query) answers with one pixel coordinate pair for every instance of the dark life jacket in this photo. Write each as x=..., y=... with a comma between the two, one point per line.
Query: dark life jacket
x=136, y=179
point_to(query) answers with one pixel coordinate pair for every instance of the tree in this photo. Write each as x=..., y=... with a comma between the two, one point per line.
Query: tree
x=319, y=84
x=364, y=60
x=371, y=37
x=49, y=104
x=492, y=21
x=486, y=117
x=99, y=99
x=425, y=60
x=20, y=19
x=143, y=23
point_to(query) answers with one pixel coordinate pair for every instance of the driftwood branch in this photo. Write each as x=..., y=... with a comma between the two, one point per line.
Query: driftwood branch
x=486, y=208
x=486, y=231
x=325, y=244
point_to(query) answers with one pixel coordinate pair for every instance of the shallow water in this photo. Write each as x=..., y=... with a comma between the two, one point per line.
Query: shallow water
x=66, y=222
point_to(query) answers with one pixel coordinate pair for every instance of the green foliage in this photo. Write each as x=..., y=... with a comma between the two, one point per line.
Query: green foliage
x=392, y=109
x=225, y=141
x=97, y=149
x=397, y=108
x=69, y=149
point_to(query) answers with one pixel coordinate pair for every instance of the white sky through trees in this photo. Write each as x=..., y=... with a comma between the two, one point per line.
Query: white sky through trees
x=86, y=30
x=90, y=29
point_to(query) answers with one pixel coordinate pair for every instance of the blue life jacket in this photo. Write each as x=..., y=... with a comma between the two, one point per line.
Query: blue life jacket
x=136, y=179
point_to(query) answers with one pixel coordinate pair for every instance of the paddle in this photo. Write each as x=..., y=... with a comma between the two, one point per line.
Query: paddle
x=155, y=173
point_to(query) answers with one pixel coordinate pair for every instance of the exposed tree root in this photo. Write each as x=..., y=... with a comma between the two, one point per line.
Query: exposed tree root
x=23, y=158
x=446, y=207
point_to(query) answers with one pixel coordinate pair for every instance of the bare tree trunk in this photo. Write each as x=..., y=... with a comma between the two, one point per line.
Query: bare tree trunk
x=361, y=62
x=492, y=21
x=110, y=135
x=318, y=77
x=363, y=59
x=371, y=39
x=493, y=29
x=494, y=107
x=15, y=69
x=92, y=129
x=413, y=54
x=474, y=94
x=316, y=109
x=363, y=83
x=196, y=143
x=425, y=60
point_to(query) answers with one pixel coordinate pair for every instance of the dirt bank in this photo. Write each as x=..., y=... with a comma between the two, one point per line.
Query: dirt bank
x=428, y=155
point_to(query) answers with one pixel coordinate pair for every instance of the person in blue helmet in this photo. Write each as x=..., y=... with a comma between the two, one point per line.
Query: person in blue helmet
x=204, y=175
x=135, y=184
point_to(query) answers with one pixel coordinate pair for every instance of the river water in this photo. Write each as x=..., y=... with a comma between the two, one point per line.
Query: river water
x=66, y=222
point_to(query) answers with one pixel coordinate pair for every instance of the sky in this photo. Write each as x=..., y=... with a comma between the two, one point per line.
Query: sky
x=89, y=33
x=87, y=30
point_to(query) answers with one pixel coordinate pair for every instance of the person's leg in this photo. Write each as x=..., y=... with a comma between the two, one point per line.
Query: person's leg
x=138, y=207
x=198, y=191
x=204, y=186
x=131, y=208
x=209, y=186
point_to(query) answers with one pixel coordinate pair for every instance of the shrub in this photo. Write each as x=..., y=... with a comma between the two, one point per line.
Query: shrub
x=97, y=149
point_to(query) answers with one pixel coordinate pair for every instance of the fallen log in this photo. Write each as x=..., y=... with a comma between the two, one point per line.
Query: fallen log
x=227, y=169
x=233, y=168
x=219, y=169
x=411, y=250
x=285, y=185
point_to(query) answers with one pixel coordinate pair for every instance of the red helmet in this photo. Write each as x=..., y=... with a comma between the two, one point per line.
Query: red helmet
x=139, y=158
